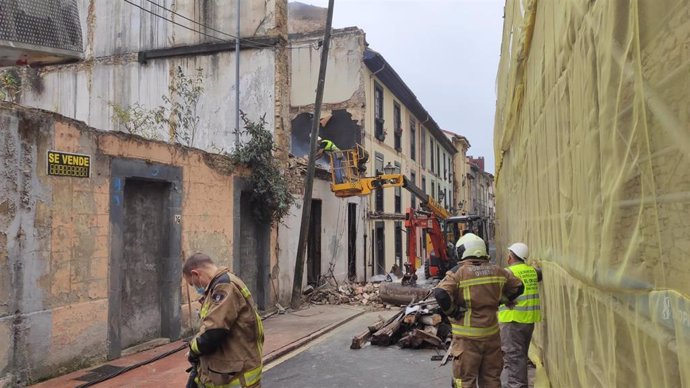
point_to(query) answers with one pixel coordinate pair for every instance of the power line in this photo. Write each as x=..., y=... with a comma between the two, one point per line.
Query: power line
x=183, y=26
x=206, y=26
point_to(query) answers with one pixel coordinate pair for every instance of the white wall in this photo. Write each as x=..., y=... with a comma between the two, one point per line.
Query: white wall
x=334, y=238
x=343, y=76
x=84, y=92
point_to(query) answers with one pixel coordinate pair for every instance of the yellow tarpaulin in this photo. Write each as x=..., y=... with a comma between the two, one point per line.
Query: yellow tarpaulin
x=592, y=142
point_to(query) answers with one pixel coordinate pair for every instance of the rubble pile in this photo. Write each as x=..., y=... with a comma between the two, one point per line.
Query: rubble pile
x=414, y=326
x=352, y=294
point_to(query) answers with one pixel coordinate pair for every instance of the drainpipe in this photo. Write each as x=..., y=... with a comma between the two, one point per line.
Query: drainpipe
x=237, y=80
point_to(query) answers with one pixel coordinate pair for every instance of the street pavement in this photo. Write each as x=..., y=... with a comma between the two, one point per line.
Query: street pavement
x=329, y=362
x=284, y=333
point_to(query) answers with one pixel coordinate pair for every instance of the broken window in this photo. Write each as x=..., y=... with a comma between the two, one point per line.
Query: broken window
x=378, y=112
x=397, y=122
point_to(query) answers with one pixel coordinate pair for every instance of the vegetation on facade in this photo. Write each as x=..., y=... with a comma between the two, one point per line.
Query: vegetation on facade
x=178, y=113
x=271, y=198
x=10, y=85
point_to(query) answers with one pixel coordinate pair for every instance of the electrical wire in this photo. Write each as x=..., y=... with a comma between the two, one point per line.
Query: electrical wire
x=186, y=27
x=207, y=27
x=246, y=41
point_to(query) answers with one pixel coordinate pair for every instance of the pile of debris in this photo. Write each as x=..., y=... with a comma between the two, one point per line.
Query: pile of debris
x=416, y=325
x=352, y=294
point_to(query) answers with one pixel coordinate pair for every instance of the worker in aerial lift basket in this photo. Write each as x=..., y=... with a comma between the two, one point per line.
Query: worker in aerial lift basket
x=517, y=322
x=227, y=351
x=335, y=154
x=470, y=295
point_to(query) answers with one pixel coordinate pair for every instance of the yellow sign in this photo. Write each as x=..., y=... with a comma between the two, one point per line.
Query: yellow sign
x=64, y=164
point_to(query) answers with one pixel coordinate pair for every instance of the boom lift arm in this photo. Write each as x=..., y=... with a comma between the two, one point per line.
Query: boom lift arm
x=348, y=182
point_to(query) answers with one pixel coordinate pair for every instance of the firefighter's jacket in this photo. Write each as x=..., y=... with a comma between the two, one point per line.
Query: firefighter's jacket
x=231, y=336
x=476, y=287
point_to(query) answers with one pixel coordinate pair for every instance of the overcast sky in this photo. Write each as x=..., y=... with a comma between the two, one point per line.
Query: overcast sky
x=447, y=52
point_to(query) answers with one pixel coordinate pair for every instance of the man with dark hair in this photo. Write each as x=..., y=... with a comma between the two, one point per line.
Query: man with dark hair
x=227, y=350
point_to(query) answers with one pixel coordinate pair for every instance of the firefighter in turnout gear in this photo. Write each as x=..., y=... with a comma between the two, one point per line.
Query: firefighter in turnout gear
x=227, y=351
x=470, y=295
x=517, y=321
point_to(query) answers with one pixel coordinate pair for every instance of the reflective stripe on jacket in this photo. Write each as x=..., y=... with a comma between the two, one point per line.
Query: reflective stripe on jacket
x=236, y=363
x=527, y=309
x=477, y=286
x=329, y=146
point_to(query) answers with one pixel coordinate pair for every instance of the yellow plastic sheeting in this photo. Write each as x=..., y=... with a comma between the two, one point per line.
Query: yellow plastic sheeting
x=592, y=144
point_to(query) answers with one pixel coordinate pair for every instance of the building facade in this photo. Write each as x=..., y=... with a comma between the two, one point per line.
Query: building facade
x=461, y=180
x=367, y=103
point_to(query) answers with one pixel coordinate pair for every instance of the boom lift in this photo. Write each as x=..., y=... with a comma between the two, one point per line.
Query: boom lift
x=347, y=167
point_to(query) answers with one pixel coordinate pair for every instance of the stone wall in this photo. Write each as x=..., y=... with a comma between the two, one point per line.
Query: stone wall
x=56, y=235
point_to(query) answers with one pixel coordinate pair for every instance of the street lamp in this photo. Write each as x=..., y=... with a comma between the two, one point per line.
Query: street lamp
x=389, y=169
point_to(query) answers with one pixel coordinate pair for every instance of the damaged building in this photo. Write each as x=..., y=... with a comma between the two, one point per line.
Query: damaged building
x=366, y=103
x=94, y=226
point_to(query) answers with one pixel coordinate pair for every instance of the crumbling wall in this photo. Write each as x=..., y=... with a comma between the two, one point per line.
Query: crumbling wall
x=55, y=236
x=116, y=33
x=593, y=173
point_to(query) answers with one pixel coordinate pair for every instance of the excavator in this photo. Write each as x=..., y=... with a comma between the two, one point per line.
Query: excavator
x=348, y=180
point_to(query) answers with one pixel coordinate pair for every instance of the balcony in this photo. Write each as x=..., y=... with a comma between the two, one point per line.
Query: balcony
x=39, y=32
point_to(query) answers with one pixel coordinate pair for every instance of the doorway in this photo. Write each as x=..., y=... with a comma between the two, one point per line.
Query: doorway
x=253, y=238
x=352, y=241
x=380, y=248
x=144, y=235
x=314, y=244
x=145, y=255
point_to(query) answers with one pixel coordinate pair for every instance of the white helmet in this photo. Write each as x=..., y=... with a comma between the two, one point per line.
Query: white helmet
x=520, y=250
x=475, y=248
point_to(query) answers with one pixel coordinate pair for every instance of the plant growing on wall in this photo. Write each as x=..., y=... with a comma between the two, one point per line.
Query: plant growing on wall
x=10, y=85
x=271, y=198
x=177, y=114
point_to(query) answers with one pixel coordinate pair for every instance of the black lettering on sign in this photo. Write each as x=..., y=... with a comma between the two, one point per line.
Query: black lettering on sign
x=66, y=164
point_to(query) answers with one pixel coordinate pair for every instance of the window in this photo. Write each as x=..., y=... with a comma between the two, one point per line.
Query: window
x=413, y=202
x=438, y=160
x=431, y=155
x=433, y=191
x=424, y=184
x=398, y=192
x=398, y=244
x=378, y=112
x=413, y=139
x=423, y=147
x=397, y=122
x=445, y=170
x=379, y=193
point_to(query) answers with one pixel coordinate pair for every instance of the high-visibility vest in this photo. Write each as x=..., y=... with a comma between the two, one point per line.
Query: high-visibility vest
x=329, y=146
x=527, y=309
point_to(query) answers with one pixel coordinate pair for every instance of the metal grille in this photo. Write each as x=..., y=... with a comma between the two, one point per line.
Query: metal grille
x=48, y=23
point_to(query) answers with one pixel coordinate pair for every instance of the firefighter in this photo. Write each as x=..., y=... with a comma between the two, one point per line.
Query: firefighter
x=227, y=351
x=517, y=321
x=335, y=154
x=470, y=297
